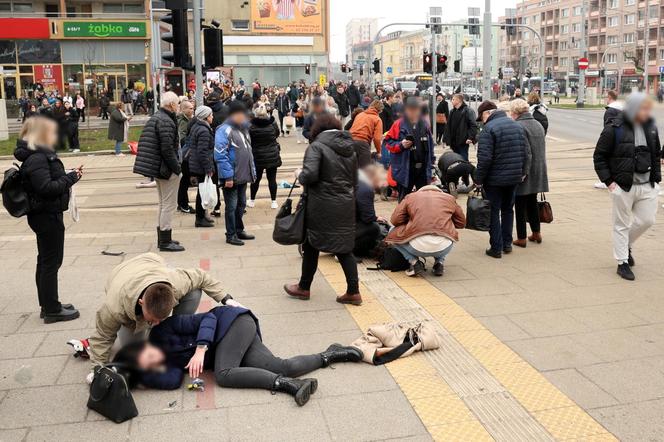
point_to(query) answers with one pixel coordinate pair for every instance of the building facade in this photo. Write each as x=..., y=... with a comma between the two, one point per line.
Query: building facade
x=274, y=43
x=359, y=30
x=74, y=47
x=617, y=34
x=388, y=49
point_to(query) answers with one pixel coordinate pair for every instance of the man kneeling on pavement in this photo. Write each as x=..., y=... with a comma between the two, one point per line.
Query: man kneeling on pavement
x=141, y=293
x=425, y=225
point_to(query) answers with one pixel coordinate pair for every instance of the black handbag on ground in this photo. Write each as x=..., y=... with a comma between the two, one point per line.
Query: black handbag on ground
x=544, y=209
x=478, y=212
x=289, y=226
x=110, y=395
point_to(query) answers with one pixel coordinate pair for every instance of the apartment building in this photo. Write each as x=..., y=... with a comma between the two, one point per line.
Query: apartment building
x=359, y=30
x=617, y=32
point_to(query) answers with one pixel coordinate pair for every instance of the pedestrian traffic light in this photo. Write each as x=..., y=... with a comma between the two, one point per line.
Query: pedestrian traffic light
x=361, y=70
x=213, y=47
x=529, y=73
x=500, y=73
x=178, y=38
x=441, y=63
x=344, y=68
x=473, y=26
x=376, y=66
x=427, y=63
x=457, y=66
x=307, y=69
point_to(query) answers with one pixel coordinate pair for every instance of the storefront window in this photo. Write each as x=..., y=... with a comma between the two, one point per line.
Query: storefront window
x=7, y=51
x=136, y=74
x=23, y=69
x=38, y=51
x=28, y=85
x=9, y=88
x=73, y=76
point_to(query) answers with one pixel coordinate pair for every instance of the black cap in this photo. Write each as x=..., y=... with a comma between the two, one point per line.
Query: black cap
x=237, y=107
x=413, y=102
x=485, y=106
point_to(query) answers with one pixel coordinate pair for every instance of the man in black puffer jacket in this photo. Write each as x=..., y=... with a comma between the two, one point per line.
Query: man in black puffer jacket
x=157, y=158
x=503, y=157
x=627, y=160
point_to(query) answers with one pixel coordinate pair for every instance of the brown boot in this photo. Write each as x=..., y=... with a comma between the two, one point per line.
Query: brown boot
x=295, y=291
x=536, y=237
x=355, y=299
x=520, y=243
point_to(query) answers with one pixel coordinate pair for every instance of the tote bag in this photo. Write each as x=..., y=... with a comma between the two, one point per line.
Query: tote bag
x=478, y=212
x=289, y=226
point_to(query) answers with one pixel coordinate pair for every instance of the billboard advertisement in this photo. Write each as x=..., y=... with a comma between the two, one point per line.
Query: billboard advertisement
x=287, y=16
x=49, y=76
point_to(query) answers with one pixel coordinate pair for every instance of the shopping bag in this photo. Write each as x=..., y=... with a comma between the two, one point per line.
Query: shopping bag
x=545, y=210
x=478, y=212
x=289, y=225
x=133, y=147
x=289, y=121
x=208, y=192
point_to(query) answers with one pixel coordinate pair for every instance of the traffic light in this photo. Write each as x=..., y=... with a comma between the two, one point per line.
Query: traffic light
x=457, y=66
x=307, y=69
x=529, y=73
x=473, y=26
x=361, y=70
x=500, y=73
x=441, y=63
x=376, y=66
x=178, y=37
x=427, y=63
x=549, y=74
x=213, y=47
x=344, y=68
x=511, y=30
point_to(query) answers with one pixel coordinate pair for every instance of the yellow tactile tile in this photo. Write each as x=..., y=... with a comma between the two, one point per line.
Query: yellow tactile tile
x=540, y=396
x=460, y=323
x=422, y=386
x=606, y=437
x=494, y=354
x=570, y=423
x=440, y=410
x=460, y=432
x=415, y=364
x=444, y=311
x=518, y=373
x=475, y=338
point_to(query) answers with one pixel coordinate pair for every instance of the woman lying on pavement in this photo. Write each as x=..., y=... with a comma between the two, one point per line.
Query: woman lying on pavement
x=227, y=340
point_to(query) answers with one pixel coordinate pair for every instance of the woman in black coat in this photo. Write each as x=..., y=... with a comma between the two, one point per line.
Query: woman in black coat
x=47, y=185
x=441, y=109
x=200, y=152
x=264, y=132
x=329, y=177
x=71, y=127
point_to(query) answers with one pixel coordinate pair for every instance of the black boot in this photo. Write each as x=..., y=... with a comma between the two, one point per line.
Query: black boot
x=204, y=222
x=172, y=240
x=339, y=353
x=300, y=389
x=166, y=244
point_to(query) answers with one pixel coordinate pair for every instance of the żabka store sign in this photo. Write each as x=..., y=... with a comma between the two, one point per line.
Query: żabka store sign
x=102, y=29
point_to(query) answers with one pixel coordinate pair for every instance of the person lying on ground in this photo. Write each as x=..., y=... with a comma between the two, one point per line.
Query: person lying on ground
x=227, y=340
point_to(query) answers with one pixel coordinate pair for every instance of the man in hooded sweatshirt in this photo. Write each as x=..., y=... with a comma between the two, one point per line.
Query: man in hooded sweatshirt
x=627, y=160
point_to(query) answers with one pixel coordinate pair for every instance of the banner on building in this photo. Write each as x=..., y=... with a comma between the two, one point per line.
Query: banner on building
x=287, y=16
x=104, y=29
x=49, y=76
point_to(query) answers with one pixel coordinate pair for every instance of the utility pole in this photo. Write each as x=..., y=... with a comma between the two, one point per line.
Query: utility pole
x=434, y=69
x=486, y=50
x=198, y=53
x=581, y=97
x=646, y=51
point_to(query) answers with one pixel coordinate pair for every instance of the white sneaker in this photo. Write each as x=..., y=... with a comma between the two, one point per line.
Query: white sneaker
x=76, y=150
x=599, y=185
x=274, y=205
x=119, y=154
x=299, y=142
x=251, y=203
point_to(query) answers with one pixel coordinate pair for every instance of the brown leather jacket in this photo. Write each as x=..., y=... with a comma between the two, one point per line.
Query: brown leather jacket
x=429, y=211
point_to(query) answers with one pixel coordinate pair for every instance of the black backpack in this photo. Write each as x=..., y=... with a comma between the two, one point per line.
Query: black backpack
x=391, y=259
x=14, y=197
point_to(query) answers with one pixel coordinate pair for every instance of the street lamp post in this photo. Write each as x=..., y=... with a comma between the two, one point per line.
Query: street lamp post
x=581, y=97
x=486, y=49
x=197, y=6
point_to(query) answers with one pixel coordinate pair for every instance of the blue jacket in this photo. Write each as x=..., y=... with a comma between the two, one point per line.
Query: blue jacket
x=501, y=152
x=178, y=337
x=233, y=155
x=400, y=157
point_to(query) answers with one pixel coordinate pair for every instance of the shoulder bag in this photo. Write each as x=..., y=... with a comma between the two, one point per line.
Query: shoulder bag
x=478, y=212
x=544, y=209
x=289, y=226
x=110, y=395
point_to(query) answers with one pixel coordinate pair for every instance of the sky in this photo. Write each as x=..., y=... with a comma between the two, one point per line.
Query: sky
x=342, y=11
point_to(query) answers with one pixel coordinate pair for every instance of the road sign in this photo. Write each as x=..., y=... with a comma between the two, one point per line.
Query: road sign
x=388, y=69
x=322, y=79
x=661, y=69
x=583, y=63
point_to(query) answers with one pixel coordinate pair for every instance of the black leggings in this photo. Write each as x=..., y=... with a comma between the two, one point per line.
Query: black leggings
x=310, y=265
x=271, y=182
x=525, y=207
x=241, y=360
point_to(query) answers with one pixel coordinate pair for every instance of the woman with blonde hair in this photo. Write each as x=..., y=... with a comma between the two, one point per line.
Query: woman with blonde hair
x=48, y=185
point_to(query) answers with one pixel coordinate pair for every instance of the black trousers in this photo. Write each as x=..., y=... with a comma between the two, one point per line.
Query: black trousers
x=50, y=231
x=103, y=112
x=366, y=238
x=72, y=137
x=81, y=114
x=183, y=190
x=526, y=209
x=281, y=121
x=241, y=360
x=418, y=179
x=271, y=182
x=310, y=265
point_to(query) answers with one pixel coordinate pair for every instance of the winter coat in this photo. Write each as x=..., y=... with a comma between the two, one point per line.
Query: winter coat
x=308, y=124
x=400, y=157
x=387, y=116
x=429, y=211
x=200, y=150
x=183, y=127
x=126, y=284
x=502, y=152
x=44, y=179
x=614, y=158
x=342, y=104
x=329, y=176
x=461, y=126
x=116, y=126
x=104, y=102
x=538, y=111
x=368, y=127
x=158, y=147
x=612, y=111
x=537, y=179
x=220, y=112
x=232, y=154
x=282, y=104
x=364, y=203
x=354, y=97
x=382, y=338
x=264, y=145
x=178, y=337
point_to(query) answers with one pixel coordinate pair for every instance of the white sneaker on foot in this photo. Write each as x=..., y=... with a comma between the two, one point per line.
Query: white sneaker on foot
x=599, y=185
x=299, y=142
x=251, y=203
x=274, y=205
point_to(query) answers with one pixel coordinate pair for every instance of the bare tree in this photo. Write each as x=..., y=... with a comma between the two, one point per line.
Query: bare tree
x=89, y=59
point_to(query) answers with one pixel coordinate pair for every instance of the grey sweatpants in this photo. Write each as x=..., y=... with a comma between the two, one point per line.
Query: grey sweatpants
x=634, y=212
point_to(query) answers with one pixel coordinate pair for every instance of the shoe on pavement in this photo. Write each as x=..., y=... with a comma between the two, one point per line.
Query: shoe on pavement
x=61, y=316
x=274, y=205
x=507, y=250
x=64, y=306
x=251, y=203
x=234, y=241
x=355, y=299
x=415, y=269
x=146, y=185
x=189, y=210
x=75, y=150
x=438, y=269
x=625, y=272
x=535, y=237
x=204, y=222
x=245, y=236
x=119, y=154
x=295, y=291
x=630, y=259
x=493, y=253
x=216, y=213
x=523, y=243
x=600, y=185
x=166, y=243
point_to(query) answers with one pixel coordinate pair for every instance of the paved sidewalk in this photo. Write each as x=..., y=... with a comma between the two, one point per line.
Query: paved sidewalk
x=545, y=344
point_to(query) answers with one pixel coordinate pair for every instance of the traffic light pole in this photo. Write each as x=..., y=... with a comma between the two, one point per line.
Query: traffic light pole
x=434, y=72
x=581, y=97
x=486, y=50
x=198, y=58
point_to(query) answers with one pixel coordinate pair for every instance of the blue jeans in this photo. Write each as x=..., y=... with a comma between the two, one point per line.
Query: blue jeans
x=412, y=255
x=235, y=200
x=502, y=216
x=118, y=147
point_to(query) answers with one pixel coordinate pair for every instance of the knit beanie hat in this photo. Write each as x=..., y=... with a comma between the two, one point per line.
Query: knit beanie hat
x=202, y=112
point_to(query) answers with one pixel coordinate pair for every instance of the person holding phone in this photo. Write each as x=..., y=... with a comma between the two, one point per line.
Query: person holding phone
x=48, y=185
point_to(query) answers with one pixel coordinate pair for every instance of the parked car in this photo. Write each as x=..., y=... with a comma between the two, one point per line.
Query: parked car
x=471, y=94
